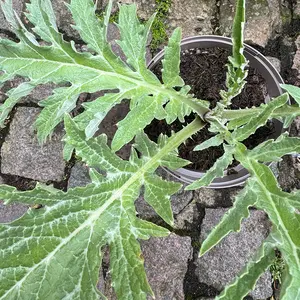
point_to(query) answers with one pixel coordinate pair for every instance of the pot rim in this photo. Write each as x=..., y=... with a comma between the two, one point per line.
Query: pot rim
x=273, y=81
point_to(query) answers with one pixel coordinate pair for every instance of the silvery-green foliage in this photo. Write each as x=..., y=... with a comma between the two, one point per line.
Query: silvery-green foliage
x=59, y=62
x=57, y=250
x=261, y=189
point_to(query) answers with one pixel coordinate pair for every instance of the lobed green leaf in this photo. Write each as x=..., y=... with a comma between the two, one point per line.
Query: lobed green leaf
x=255, y=122
x=171, y=61
x=231, y=221
x=284, y=215
x=246, y=280
x=294, y=91
x=217, y=170
x=66, y=236
x=216, y=140
x=102, y=70
x=273, y=150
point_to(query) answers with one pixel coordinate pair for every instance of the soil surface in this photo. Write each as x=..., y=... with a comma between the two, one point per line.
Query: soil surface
x=205, y=71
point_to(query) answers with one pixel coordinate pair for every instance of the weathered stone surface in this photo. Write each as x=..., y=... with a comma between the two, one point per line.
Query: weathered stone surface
x=64, y=18
x=145, y=8
x=221, y=264
x=296, y=60
x=275, y=62
x=41, y=92
x=263, y=19
x=296, y=11
x=79, y=175
x=18, y=7
x=195, y=17
x=289, y=173
x=215, y=198
x=166, y=261
x=23, y=156
x=186, y=217
x=10, y=212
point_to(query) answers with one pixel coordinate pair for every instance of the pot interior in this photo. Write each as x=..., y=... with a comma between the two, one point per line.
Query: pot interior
x=272, y=78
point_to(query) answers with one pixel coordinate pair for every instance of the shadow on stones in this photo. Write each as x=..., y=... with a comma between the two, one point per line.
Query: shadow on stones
x=193, y=289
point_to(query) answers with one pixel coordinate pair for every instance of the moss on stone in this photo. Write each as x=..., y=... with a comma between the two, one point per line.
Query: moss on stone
x=159, y=32
x=158, y=29
x=112, y=19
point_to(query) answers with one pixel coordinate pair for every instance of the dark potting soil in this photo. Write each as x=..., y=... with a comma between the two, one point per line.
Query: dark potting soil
x=205, y=71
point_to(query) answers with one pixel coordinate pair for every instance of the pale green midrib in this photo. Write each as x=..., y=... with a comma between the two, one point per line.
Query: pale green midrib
x=200, y=109
x=172, y=144
x=267, y=193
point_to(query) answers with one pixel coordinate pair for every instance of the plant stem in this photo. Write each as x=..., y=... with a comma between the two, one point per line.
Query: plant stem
x=173, y=143
x=283, y=111
x=182, y=136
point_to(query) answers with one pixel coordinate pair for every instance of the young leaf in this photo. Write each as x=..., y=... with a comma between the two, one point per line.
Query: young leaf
x=67, y=235
x=231, y=221
x=294, y=91
x=286, y=221
x=236, y=74
x=171, y=61
x=246, y=280
x=176, y=108
x=91, y=29
x=137, y=119
x=134, y=36
x=217, y=170
x=255, y=122
x=273, y=150
x=216, y=140
x=14, y=97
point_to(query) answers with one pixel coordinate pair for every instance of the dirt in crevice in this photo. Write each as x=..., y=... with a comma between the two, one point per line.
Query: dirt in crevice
x=193, y=289
x=9, y=35
x=63, y=185
x=215, y=21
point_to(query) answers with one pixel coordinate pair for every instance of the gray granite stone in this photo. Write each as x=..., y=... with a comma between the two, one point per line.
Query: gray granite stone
x=289, y=173
x=220, y=265
x=166, y=262
x=195, y=17
x=215, y=197
x=186, y=217
x=79, y=175
x=64, y=18
x=10, y=212
x=275, y=62
x=145, y=8
x=41, y=92
x=23, y=156
x=263, y=20
x=18, y=7
x=296, y=60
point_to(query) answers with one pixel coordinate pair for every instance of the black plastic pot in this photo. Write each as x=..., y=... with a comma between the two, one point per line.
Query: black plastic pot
x=273, y=81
